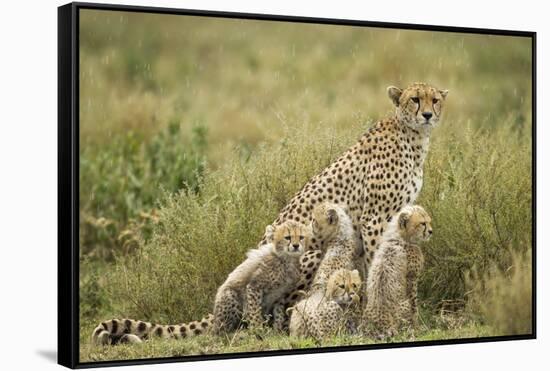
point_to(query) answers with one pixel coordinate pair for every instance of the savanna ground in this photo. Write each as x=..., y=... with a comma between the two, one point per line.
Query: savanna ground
x=196, y=132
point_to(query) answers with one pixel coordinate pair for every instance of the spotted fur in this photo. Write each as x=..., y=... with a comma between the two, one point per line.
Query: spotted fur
x=127, y=330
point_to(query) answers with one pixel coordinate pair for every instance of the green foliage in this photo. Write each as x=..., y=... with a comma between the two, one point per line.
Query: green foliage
x=121, y=181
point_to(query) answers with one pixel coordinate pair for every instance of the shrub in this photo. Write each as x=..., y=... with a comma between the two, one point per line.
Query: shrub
x=121, y=181
x=477, y=188
x=503, y=298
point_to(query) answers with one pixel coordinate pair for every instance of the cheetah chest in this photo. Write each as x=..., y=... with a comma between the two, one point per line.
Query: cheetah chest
x=282, y=282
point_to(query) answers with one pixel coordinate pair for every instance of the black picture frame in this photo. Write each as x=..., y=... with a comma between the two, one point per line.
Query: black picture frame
x=68, y=179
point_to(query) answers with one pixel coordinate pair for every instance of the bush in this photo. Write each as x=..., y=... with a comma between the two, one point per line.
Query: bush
x=121, y=181
x=477, y=188
x=503, y=298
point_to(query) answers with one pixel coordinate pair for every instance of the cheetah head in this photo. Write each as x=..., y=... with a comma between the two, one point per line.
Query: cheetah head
x=290, y=238
x=344, y=287
x=414, y=224
x=419, y=106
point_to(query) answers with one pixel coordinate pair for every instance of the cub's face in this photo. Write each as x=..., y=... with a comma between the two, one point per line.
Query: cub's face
x=290, y=237
x=344, y=287
x=415, y=224
x=419, y=106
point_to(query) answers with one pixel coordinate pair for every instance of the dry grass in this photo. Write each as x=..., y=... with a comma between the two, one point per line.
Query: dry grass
x=503, y=298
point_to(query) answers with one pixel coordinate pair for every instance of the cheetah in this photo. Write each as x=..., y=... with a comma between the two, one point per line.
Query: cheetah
x=392, y=279
x=255, y=288
x=329, y=312
x=375, y=178
x=332, y=223
x=249, y=294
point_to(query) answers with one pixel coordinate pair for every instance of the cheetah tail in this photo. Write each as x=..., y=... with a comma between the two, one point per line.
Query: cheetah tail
x=125, y=330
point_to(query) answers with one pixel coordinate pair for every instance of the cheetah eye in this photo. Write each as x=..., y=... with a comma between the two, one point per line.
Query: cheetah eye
x=435, y=100
x=341, y=286
x=415, y=100
x=287, y=238
x=301, y=238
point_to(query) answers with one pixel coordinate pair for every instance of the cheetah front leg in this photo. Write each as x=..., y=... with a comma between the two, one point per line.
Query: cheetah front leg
x=412, y=308
x=415, y=263
x=280, y=322
x=253, y=314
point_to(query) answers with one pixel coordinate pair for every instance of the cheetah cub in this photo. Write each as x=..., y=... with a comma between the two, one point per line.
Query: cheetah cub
x=255, y=288
x=316, y=314
x=392, y=278
x=327, y=313
x=332, y=224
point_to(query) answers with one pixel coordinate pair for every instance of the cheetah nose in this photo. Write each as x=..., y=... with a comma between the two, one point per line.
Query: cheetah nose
x=430, y=232
x=427, y=115
x=296, y=246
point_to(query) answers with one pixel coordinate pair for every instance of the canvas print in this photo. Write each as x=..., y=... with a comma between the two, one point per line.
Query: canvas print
x=257, y=185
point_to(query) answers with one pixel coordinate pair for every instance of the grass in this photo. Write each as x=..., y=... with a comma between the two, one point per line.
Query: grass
x=196, y=132
x=246, y=342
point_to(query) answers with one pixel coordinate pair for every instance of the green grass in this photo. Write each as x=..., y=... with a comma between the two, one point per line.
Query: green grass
x=195, y=133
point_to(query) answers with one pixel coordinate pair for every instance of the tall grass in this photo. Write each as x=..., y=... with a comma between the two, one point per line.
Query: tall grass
x=502, y=298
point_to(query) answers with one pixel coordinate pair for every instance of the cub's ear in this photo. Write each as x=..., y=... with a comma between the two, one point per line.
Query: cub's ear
x=444, y=93
x=403, y=220
x=269, y=232
x=394, y=94
x=332, y=216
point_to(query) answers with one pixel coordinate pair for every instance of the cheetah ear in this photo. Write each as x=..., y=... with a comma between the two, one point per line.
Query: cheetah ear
x=444, y=93
x=269, y=232
x=394, y=94
x=403, y=220
x=332, y=216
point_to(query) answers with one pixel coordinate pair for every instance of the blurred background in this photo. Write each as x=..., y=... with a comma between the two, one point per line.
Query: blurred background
x=195, y=131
